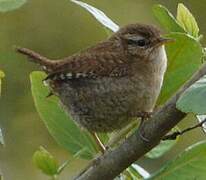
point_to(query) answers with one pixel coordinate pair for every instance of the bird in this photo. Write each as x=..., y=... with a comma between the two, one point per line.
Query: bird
x=108, y=85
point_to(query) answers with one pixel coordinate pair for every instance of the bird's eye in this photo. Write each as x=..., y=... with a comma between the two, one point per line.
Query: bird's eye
x=140, y=42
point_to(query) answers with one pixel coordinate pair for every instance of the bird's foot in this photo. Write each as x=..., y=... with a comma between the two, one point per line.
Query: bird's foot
x=145, y=115
x=142, y=137
x=140, y=129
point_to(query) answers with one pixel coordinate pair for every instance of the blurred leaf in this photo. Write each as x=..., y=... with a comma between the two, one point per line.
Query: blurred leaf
x=66, y=163
x=1, y=138
x=166, y=19
x=1, y=135
x=45, y=162
x=1, y=76
x=200, y=119
x=99, y=15
x=187, y=20
x=137, y=172
x=161, y=149
x=194, y=98
x=63, y=166
x=120, y=135
x=9, y=5
x=188, y=165
x=104, y=137
x=184, y=58
x=59, y=124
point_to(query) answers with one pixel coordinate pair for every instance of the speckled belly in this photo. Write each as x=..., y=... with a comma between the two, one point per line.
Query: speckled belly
x=105, y=104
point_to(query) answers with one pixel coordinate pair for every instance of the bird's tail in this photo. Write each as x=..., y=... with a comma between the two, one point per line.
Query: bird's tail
x=37, y=58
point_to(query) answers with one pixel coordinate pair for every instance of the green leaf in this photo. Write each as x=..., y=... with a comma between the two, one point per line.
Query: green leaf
x=2, y=75
x=137, y=172
x=166, y=19
x=45, y=162
x=188, y=165
x=59, y=124
x=1, y=138
x=99, y=15
x=1, y=135
x=66, y=163
x=9, y=5
x=187, y=20
x=161, y=149
x=184, y=58
x=194, y=98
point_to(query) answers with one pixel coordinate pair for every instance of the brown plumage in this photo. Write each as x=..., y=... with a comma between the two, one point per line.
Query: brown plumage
x=106, y=86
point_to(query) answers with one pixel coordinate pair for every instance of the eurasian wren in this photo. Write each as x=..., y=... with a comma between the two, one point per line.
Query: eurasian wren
x=106, y=86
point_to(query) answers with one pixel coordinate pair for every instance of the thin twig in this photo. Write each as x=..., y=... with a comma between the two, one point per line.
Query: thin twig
x=174, y=135
x=101, y=146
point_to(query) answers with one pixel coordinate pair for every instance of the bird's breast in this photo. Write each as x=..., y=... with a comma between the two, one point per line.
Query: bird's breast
x=153, y=76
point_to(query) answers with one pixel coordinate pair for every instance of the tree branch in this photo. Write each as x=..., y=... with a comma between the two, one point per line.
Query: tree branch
x=113, y=162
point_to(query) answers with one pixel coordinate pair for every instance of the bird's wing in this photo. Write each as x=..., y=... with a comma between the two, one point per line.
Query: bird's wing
x=91, y=65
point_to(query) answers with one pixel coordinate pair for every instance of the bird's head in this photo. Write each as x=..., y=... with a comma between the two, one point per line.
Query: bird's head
x=141, y=41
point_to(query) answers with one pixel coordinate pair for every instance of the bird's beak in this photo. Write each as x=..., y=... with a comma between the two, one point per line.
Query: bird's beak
x=163, y=40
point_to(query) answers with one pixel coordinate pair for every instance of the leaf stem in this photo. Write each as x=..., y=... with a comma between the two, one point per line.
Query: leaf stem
x=116, y=137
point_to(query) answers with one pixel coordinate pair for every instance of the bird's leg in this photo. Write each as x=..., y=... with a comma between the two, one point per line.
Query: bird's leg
x=144, y=116
x=101, y=146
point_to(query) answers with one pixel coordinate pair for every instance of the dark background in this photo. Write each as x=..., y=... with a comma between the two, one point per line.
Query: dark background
x=58, y=29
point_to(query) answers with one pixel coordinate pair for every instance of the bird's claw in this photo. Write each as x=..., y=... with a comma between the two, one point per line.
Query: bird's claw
x=142, y=137
x=145, y=115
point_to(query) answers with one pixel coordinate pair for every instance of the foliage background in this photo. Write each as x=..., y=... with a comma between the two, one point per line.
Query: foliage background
x=57, y=29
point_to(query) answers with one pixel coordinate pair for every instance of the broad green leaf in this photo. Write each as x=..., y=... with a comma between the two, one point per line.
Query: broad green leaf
x=9, y=5
x=184, y=58
x=188, y=165
x=99, y=15
x=194, y=98
x=59, y=124
x=161, y=149
x=187, y=20
x=45, y=162
x=166, y=19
